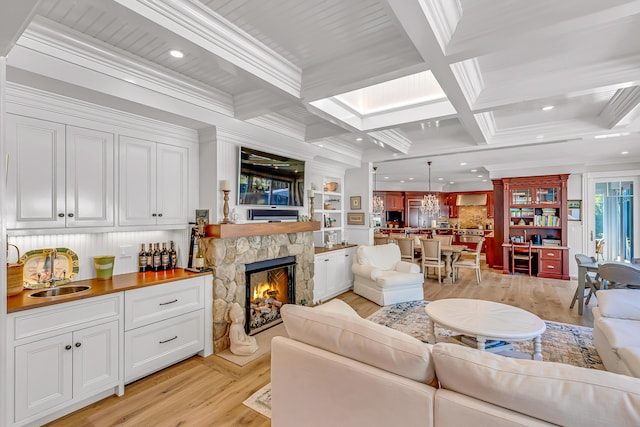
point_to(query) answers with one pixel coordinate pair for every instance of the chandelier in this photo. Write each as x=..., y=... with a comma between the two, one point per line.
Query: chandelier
x=430, y=204
x=378, y=202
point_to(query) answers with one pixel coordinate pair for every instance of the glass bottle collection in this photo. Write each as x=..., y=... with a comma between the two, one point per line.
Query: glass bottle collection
x=156, y=259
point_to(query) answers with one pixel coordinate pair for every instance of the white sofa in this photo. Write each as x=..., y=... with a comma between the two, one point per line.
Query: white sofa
x=616, y=330
x=337, y=369
x=379, y=275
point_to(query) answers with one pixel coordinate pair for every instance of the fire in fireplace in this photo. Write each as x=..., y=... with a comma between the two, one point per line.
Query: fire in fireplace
x=270, y=285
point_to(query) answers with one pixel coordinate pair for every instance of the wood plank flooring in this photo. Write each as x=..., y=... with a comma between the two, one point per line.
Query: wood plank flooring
x=210, y=392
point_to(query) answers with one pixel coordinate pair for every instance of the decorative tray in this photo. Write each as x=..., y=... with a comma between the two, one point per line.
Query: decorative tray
x=40, y=265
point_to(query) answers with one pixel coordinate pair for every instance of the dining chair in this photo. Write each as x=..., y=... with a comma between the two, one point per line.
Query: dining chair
x=394, y=237
x=432, y=256
x=380, y=239
x=521, y=256
x=470, y=259
x=591, y=279
x=407, y=248
x=619, y=274
x=446, y=239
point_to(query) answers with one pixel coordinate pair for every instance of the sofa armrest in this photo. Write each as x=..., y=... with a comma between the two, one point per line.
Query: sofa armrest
x=368, y=271
x=407, y=267
x=619, y=303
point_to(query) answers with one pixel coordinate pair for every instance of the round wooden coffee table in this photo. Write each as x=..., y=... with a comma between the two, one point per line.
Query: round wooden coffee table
x=485, y=320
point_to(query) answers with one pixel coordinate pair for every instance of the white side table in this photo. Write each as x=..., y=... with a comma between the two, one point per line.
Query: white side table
x=485, y=320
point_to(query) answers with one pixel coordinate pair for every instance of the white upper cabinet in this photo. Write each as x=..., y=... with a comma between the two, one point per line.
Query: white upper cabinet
x=58, y=176
x=153, y=183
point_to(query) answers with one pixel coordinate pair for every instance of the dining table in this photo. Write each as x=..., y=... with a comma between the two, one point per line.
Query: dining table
x=450, y=253
x=583, y=269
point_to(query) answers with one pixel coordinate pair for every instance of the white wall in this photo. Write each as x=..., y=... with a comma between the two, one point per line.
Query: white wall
x=359, y=182
x=574, y=230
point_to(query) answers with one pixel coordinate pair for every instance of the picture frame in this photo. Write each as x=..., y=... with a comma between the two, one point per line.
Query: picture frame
x=355, y=218
x=355, y=203
x=204, y=214
x=574, y=210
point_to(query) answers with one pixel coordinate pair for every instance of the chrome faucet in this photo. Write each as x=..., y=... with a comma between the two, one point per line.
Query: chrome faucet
x=50, y=267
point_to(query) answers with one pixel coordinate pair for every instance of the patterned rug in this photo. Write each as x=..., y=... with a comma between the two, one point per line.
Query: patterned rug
x=561, y=342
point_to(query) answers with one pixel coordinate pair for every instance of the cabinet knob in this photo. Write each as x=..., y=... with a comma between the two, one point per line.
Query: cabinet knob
x=78, y=344
x=159, y=214
x=326, y=260
x=153, y=214
x=61, y=215
x=67, y=347
x=70, y=215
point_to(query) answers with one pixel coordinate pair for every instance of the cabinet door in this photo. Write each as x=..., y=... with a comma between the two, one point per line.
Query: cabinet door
x=95, y=359
x=172, y=189
x=89, y=166
x=43, y=375
x=36, y=181
x=334, y=273
x=320, y=268
x=137, y=172
x=345, y=268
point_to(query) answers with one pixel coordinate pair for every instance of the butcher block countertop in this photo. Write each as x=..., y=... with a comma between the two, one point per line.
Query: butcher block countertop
x=321, y=249
x=118, y=283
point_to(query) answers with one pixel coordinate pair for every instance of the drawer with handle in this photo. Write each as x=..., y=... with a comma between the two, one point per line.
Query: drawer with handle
x=550, y=266
x=154, y=303
x=551, y=254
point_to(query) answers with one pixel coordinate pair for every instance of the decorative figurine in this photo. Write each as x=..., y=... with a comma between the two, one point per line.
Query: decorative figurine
x=241, y=343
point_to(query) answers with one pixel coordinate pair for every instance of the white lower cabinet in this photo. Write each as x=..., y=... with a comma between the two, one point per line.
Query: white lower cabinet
x=63, y=355
x=332, y=273
x=163, y=325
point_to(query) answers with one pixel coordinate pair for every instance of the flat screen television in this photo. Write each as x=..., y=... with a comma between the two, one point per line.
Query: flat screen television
x=269, y=179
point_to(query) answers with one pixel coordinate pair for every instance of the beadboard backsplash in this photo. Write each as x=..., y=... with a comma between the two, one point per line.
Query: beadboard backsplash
x=88, y=245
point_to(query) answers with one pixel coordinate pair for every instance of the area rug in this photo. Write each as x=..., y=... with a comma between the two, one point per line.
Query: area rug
x=561, y=343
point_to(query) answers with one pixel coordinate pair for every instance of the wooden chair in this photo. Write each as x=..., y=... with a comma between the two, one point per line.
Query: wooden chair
x=432, y=256
x=470, y=260
x=446, y=239
x=521, y=256
x=407, y=248
x=619, y=274
x=592, y=280
x=380, y=239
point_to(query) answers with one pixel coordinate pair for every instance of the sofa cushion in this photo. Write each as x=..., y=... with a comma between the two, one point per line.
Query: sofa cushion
x=337, y=306
x=389, y=279
x=619, y=303
x=360, y=339
x=620, y=333
x=554, y=392
x=383, y=257
x=631, y=357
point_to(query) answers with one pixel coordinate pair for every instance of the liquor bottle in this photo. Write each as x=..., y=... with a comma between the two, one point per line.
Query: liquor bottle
x=142, y=259
x=157, y=261
x=150, y=258
x=164, y=258
x=199, y=264
x=173, y=256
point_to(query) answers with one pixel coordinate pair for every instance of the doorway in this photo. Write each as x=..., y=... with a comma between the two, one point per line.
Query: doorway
x=611, y=208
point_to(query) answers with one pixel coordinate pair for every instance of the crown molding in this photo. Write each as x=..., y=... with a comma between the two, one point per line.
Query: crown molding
x=35, y=102
x=392, y=139
x=443, y=17
x=197, y=23
x=280, y=124
x=487, y=123
x=257, y=102
x=228, y=136
x=58, y=41
x=469, y=77
x=619, y=111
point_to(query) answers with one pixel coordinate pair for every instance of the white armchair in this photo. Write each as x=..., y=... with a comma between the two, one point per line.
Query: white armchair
x=382, y=277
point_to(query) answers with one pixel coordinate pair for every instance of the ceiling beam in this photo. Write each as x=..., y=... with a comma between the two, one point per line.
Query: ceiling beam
x=256, y=103
x=15, y=17
x=414, y=22
x=622, y=109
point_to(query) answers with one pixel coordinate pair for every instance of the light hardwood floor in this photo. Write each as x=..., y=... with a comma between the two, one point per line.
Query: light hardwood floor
x=210, y=392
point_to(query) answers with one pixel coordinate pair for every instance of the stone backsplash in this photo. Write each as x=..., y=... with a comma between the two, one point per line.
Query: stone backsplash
x=228, y=257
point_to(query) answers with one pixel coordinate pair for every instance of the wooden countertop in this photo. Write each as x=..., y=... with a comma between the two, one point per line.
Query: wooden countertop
x=322, y=249
x=117, y=283
x=506, y=245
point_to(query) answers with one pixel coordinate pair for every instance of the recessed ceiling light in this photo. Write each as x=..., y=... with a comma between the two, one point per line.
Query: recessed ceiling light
x=474, y=170
x=624, y=153
x=539, y=136
x=176, y=53
x=479, y=176
x=320, y=145
x=484, y=180
x=386, y=177
x=395, y=154
x=358, y=139
x=451, y=182
x=463, y=163
x=548, y=107
x=402, y=181
x=440, y=179
x=410, y=179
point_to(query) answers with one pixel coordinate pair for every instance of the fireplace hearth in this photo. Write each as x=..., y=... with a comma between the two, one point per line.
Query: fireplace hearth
x=270, y=285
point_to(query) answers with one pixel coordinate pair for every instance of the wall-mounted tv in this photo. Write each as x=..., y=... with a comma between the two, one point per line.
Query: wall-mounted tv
x=269, y=179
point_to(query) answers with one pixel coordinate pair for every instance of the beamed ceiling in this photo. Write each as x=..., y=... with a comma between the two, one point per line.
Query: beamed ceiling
x=281, y=68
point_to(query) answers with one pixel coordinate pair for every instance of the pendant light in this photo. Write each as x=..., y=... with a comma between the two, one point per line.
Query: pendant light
x=430, y=204
x=378, y=202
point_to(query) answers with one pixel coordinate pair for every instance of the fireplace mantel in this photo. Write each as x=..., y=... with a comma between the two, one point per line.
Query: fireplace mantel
x=225, y=231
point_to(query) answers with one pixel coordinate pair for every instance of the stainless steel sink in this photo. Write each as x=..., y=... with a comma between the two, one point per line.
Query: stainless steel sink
x=61, y=290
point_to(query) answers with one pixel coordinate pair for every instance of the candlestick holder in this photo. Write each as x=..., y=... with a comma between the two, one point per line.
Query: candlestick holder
x=225, y=209
x=311, y=207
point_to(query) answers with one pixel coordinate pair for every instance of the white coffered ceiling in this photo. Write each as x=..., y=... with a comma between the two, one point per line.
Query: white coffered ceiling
x=285, y=68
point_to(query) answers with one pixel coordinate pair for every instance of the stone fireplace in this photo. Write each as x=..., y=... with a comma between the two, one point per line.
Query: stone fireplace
x=228, y=256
